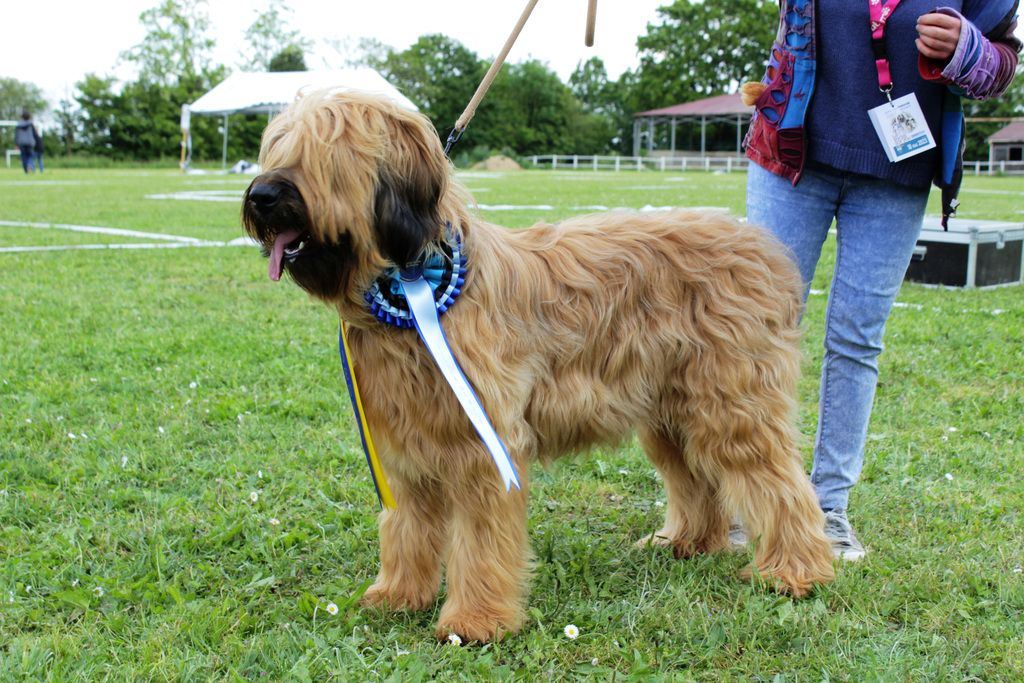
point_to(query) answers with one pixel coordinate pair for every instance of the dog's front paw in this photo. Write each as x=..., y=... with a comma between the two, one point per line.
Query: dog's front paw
x=683, y=548
x=390, y=597
x=797, y=583
x=482, y=623
x=472, y=628
x=658, y=538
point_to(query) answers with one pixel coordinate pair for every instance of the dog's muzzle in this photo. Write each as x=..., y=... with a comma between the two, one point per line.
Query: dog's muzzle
x=271, y=212
x=264, y=197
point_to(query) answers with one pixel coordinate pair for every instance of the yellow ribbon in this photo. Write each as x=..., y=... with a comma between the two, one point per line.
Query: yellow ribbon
x=386, y=499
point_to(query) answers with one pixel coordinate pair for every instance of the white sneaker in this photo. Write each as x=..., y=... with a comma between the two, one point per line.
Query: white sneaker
x=838, y=531
x=737, y=536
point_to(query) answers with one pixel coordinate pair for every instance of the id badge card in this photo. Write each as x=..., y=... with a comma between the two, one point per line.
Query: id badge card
x=901, y=128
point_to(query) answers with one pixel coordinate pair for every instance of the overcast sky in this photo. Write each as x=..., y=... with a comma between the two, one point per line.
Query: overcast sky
x=69, y=38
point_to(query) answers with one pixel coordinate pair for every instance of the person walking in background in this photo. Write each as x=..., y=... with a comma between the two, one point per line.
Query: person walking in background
x=25, y=139
x=38, y=149
x=858, y=113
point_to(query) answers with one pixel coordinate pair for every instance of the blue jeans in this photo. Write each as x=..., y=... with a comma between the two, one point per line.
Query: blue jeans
x=26, y=152
x=877, y=224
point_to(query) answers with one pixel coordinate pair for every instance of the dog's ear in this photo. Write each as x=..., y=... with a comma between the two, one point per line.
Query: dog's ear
x=407, y=218
x=409, y=187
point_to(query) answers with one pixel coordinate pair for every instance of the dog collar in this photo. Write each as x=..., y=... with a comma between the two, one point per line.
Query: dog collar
x=416, y=297
x=444, y=271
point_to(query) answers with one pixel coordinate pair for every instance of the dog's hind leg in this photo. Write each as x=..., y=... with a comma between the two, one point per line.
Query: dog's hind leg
x=739, y=431
x=780, y=514
x=488, y=564
x=412, y=541
x=694, y=519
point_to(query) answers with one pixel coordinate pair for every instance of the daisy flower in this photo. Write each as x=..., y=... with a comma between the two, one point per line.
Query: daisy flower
x=254, y=496
x=454, y=639
x=332, y=609
x=98, y=591
x=274, y=521
x=571, y=632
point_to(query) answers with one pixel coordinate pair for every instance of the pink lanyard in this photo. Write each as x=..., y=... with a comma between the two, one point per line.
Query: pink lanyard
x=879, y=16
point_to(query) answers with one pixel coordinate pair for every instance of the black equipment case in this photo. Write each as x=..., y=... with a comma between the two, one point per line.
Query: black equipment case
x=973, y=253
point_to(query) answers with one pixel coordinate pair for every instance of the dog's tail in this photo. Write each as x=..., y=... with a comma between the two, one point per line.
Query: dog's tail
x=750, y=91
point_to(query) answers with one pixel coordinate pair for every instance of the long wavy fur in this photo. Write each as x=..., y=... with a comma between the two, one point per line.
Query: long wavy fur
x=681, y=326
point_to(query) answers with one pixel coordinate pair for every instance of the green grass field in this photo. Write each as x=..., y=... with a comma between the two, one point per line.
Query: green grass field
x=182, y=493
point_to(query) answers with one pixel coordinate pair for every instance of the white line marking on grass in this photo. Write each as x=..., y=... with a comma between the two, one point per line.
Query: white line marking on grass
x=1013, y=193
x=25, y=183
x=480, y=174
x=936, y=309
x=913, y=307
x=515, y=207
x=598, y=207
x=101, y=231
x=201, y=196
x=93, y=247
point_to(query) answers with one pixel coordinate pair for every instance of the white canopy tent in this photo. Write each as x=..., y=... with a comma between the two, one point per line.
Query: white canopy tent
x=271, y=92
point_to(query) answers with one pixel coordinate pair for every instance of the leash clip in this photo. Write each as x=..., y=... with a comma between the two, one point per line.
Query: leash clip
x=453, y=138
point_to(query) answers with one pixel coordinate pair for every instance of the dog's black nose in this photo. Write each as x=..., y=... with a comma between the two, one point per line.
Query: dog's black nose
x=264, y=196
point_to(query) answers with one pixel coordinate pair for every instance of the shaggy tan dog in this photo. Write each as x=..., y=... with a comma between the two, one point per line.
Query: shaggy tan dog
x=681, y=326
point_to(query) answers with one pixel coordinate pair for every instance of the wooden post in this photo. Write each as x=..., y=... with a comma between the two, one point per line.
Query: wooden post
x=224, y=154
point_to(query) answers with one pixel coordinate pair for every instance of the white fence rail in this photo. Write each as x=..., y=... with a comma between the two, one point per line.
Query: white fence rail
x=994, y=167
x=619, y=163
x=727, y=164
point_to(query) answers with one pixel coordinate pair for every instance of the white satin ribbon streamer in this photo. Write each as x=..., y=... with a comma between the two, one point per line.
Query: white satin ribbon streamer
x=421, y=303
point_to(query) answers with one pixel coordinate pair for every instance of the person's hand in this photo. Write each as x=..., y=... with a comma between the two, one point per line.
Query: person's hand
x=937, y=35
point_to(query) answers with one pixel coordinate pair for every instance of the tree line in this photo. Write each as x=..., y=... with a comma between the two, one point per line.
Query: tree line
x=695, y=50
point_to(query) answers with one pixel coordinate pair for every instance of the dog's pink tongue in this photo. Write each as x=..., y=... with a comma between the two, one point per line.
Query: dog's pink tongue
x=277, y=253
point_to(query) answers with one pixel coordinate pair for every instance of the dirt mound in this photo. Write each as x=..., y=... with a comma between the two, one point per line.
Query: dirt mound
x=499, y=162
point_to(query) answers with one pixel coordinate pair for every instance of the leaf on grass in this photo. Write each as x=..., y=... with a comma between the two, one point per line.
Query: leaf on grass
x=77, y=598
x=355, y=596
x=225, y=537
x=172, y=590
x=257, y=582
